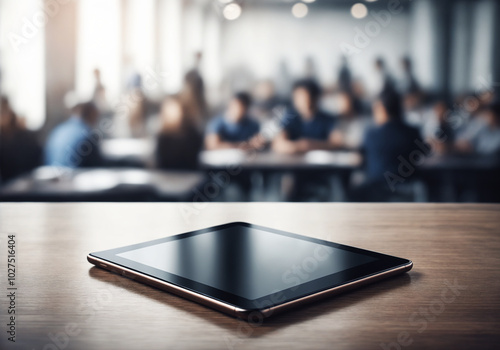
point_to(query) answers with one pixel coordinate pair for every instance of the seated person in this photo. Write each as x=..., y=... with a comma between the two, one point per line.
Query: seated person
x=234, y=129
x=487, y=143
x=442, y=135
x=306, y=128
x=383, y=145
x=351, y=124
x=486, y=139
x=266, y=100
x=179, y=141
x=20, y=151
x=74, y=143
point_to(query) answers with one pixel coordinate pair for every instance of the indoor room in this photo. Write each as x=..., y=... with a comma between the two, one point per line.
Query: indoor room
x=225, y=174
x=159, y=82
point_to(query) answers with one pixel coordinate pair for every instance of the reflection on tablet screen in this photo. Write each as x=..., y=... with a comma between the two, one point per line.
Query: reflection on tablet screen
x=245, y=261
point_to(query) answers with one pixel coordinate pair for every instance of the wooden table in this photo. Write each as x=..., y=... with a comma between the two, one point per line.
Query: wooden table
x=62, y=299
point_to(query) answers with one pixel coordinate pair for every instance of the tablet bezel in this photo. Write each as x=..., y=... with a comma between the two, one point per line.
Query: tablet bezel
x=383, y=264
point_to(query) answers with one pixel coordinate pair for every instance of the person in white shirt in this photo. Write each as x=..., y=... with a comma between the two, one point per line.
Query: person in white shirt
x=486, y=139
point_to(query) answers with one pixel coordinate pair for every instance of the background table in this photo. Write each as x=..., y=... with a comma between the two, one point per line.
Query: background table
x=271, y=161
x=449, y=173
x=59, y=290
x=268, y=168
x=100, y=184
x=129, y=151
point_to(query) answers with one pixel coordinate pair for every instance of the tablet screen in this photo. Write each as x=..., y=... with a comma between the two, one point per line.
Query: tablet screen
x=246, y=261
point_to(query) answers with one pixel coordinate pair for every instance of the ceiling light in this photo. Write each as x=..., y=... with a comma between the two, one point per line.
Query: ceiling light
x=299, y=10
x=232, y=11
x=359, y=11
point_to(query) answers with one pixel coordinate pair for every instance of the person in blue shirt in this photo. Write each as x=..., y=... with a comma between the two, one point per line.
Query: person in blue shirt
x=390, y=138
x=74, y=143
x=385, y=145
x=234, y=129
x=306, y=127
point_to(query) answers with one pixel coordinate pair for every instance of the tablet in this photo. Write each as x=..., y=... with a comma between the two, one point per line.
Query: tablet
x=249, y=271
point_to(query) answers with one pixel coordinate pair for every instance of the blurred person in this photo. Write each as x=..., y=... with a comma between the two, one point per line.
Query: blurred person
x=384, y=80
x=134, y=82
x=408, y=84
x=193, y=92
x=237, y=78
x=417, y=112
x=384, y=145
x=389, y=138
x=344, y=80
x=360, y=94
x=99, y=94
x=283, y=79
x=265, y=100
x=310, y=69
x=179, y=141
x=487, y=97
x=75, y=143
x=138, y=114
x=414, y=99
x=442, y=135
x=20, y=151
x=351, y=123
x=134, y=114
x=8, y=119
x=466, y=123
x=486, y=141
x=307, y=127
x=235, y=128
x=416, y=109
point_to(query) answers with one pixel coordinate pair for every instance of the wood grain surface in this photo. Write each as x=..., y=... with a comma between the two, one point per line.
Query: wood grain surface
x=450, y=300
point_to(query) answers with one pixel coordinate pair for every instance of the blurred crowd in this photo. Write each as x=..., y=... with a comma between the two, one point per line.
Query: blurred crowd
x=382, y=124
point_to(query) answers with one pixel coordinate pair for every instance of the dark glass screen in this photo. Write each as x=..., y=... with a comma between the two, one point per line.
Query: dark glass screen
x=246, y=261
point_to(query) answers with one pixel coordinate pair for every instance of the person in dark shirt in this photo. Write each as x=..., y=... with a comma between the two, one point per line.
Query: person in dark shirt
x=75, y=143
x=20, y=151
x=384, y=145
x=344, y=81
x=234, y=129
x=409, y=84
x=385, y=82
x=179, y=141
x=306, y=127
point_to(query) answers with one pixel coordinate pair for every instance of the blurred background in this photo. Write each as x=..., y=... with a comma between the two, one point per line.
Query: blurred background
x=262, y=100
